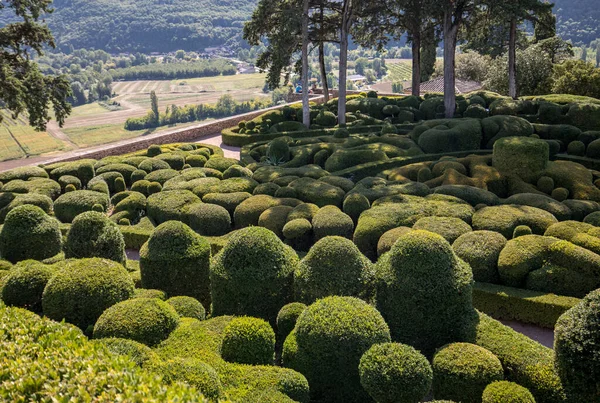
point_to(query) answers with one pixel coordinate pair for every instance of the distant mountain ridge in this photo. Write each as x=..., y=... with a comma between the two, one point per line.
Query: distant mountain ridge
x=167, y=25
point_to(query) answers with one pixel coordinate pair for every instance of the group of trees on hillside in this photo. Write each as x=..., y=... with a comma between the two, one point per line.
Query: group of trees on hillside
x=487, y=26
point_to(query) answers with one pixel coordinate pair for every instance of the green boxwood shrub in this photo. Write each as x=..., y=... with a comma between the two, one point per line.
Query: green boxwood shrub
x=82, y=289
x=161, y=175
x=92, y=234
x=331, y=221
x=24, y=284
x=287, y=318
x=70, y=205
x=328, y=342
x=524, y=157
x=29, y=233
x=169, y=205
x=576, y=345
x=82, y=169
x=321, y=275
x=208, y=219
x=175, y=161
x=220, y=163
x=149, y=293
x=66, y=180
x=153, y=164
x=481, y=249
x=252, y=275
x=145, y=320
x=153, y=150
x=187, y=307
x=23, y=173
x=450, y=228
x=237, y=171
x=461, y=371
x=124, y=169
x=388, y=239
x=196, y=161
x=229, y=201
x=248, y=340
x=424, y=292
x=15, y=200
x=278, y=151
x=506, y=392
x=355, y=204
x=268, y=188
x=498, y=127
x=138, y=352
x=395, y=373
x=504, y=219
x=521, y=230
x=176, y=260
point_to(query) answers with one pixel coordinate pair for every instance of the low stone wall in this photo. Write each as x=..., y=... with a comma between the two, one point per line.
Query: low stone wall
x=194, y=133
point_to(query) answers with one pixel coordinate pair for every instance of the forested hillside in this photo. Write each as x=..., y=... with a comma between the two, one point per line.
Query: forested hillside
x=578, y=20
x=146, y=25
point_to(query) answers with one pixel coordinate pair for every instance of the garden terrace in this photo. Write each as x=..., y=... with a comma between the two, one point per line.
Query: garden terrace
x=239, y=291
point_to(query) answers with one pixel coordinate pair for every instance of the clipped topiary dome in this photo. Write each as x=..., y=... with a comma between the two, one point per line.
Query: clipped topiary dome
x=506, y=392
x=252, y=275
x=24, y=284
x=176, y=260
x=248, y=340
x=93, y=234
x=187, y=307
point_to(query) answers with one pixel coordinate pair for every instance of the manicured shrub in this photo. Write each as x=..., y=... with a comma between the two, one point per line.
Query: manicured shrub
x=70, y=188
x=506, y=392
x=187, y=307
x=388, y=239
x=82, y=169
x=424, y=292
x=92, y=234
x=249, y=211
x=521, y=230
x=208, y=219
x=326, y=119
x=449, y=228
x=153, y=164
x=296, y=229
x=252, y=275
x=318, y=192
x=576, y=148
x=220, y=163
x=331, y=221
x=278, y=151
x=175, y=161
x=328, y=342
x=66, y=180
x=504, y=219
x=124, y=169
x=287, y=318
x=138, y=175
x=268, y=188
x=340, y=133
x=440, y=136
x=545, y=184
x=521, y=156
x=500, y=127
x=145, y=320
x=321, y=275
x=193, y=372
x=476, y=111
x=70, y=205
x=196, y=160
x=248, y=340
x=577, y=335
x=169, y=205
x=161, y=176
x=138, y=352
x=23, y=173
x=153, y=150
x=344, y=158
x=229, y=201
x=24, y=284
x=461, y=371
x=593, y=219
x=176, y=260
x=286, y=191
x=82, y=289
x=34, y=186
x=395, y=373
x=29, y=233
x=560, y=194
x=149, y=293
x=481, y=249
x=355, y=204
x=237, y=171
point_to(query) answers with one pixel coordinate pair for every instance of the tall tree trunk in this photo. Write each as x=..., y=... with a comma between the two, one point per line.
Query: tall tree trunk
x=323, y=71
x=416, y=62
x=512, y=60
x=450, y=37
x=343, y=64
x=305, y=105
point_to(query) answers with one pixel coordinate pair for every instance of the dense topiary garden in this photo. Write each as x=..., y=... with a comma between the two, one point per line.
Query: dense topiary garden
x=356, y=264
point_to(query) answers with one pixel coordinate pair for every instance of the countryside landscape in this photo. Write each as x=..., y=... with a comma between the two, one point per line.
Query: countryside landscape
x=276, y=201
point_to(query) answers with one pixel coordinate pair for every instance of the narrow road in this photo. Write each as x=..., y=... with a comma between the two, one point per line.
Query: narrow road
x=53, y=129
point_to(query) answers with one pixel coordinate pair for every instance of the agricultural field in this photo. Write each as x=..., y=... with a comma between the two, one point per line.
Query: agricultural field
x=399, y=70
x=453, y=233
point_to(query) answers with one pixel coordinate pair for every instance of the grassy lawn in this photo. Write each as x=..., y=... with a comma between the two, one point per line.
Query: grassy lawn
x=35, y=143
x=102, y=134
x=9, y=149
x=228, y=83
x=88, y=110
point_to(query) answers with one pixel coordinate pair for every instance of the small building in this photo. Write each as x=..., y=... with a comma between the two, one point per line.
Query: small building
x=357, y=79
x=437, y=86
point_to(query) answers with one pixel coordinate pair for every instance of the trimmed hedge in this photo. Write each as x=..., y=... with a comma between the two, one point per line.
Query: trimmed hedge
x=187, y=307
x=138, y=352
x=524, y=157
x=506, y=392
x=576, y=345
x=176, y=260
x=321, y=275
x=461, y=372
x=29, y=233
x=145, y=320
x=424, y=292
x=331, y=221
x=195, y=373
x=82, y=289
x=92, y=234
x=70, y=205
x=481, y=249
x=24, y=284
x=395, y=373
x=287, y=318
x=208, y=219
x=248, y=340
x=449, y=228
x=252, y=275
x=328, y=342
x=169, y=205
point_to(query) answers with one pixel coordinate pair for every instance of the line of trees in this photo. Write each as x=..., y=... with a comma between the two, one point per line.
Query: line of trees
x=173, y=71
x=372, y=23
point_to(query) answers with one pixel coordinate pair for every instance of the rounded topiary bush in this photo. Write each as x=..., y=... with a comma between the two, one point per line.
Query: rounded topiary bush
x=506, y=392
x=355, y=204
x=448, y=227
x=521, y=230
x=93, y=234
x=176, y=260
x=252, y=275
x=576, y=341
x=424, y=292
x=395, y=373
x=461, y=371
x=24, y=284
x=560, y=194
x=545, y=184
x=593, y=219
x=576, y=148
x=287, y=317
x=297, y=228
x=29, y=233
x=521, y=156
x=328, y=342
x=248, y=340
x=70, y=205
x=193, y=372
x=138, y=352
x=82, y=289
x=481, y=249
x=187, y=307
x=320, y=273
x=331, y=221
x=153, y=150
x=208, y=219
x=66, y=180
x=145, y=320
